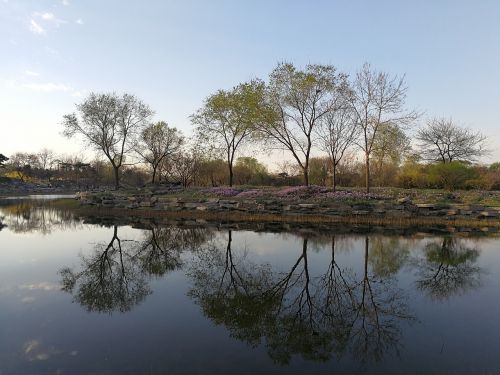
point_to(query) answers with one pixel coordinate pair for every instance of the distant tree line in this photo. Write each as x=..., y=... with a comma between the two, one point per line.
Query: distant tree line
x=322, y=118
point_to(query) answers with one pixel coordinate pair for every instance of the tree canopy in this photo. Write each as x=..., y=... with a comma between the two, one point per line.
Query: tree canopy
x=109, y=123
x=227, y=118
x=158, y=142
x=299, y=99
x=444, y=141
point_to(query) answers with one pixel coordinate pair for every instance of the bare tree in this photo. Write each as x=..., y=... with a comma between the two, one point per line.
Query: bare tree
x=109, y=123
x=338, y=132
x=299, y=99
x=185, y=167
x=378, y=100
x=157, y=143
x=46, y=158
x=442, y=140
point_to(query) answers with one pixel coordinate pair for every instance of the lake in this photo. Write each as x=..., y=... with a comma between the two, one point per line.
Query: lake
x=101, y=296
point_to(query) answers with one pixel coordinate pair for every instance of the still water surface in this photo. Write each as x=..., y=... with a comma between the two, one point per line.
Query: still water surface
x=86, y=298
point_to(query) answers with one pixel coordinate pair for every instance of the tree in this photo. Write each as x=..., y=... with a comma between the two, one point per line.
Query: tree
x=227, y=118
x=158, y=142
x=338, y=132
x=248, y=170
x=46, y=158
x=390, y=147
x=444, y=141
x=377, y=100
x=299, y=99
x=185, y=167
x=109, y=123
x=3, y=159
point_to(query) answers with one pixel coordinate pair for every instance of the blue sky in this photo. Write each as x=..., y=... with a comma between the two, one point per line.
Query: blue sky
x=172, y=54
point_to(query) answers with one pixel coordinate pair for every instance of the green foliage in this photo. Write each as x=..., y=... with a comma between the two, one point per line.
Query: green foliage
x=495, y=166
x=226, y=120
x=452, y=176
x=412, y=175
x=389, y=148
x=319, y=170
x=248, y=171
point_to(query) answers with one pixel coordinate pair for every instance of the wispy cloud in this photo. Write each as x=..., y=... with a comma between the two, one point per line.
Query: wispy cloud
x=35, y=28
x=65, y=3
x=31, y=73
x=50, y=18
x=79, y=21
x=40, y=21
x=47, y=87
x=44, y=285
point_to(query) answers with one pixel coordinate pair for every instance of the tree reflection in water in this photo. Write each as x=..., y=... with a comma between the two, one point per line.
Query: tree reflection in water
x=297, y=312
x=26, y=217
x=116, y=276
x=110, y=279
x=448, y=268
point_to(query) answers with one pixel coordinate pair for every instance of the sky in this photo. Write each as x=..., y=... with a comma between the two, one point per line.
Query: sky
x=173, y=54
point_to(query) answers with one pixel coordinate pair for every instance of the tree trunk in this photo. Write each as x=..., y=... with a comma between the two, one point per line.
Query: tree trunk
x=230, y=174
x=334, y=178
x=367, y=172
x=154, y=174
x=117, y=177
x=306, y=176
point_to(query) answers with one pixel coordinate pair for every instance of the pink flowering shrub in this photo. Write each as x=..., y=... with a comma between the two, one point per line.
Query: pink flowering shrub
x=253, y=193
x=223, y=191
x=352, y=195
x=301, y=191
x=295, y=192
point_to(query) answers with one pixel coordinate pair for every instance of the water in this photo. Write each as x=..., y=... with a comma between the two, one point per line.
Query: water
x=78, y=296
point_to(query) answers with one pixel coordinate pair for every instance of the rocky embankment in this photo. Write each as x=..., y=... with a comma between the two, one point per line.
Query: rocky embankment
x=383, y=209
x=21, y=188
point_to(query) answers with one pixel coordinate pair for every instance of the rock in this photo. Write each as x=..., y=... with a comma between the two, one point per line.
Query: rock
x=404, y=200
x=489, y=214
x=190, y=205
x=307, y=205
x=360, y=212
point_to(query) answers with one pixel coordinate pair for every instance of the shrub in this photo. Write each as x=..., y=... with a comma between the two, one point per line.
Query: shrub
x=452, y=176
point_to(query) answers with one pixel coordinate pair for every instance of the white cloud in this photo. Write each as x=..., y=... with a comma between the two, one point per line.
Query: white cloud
x=48, y=87
x=48, y=16
x=65, y=3
x=79, y=21
x=39, y=22
x=44, y=285
x=31, y=73
x=77, y=94
x=35, y=28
